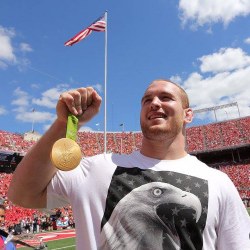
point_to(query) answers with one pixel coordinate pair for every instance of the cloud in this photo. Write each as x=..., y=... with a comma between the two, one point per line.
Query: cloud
x=37, y=117
x=227, y=59
x=8, y=54
x=98, y=87
x=25, y=47
x=24, y=112
x=85, y=129
x=6, y=49
x=23, y=63
x=2, y=110
x=50, y=97
x=247, y=40
x=35, y=86
x=176, y=79
x=217, y=89
x=21, y=98
x=199, y=13
x=226, y=82
x=82, y=129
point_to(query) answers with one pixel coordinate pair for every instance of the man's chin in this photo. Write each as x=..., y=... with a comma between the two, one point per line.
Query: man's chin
x=155, y=132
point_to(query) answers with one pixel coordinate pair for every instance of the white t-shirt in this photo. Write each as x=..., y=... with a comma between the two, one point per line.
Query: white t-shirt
x=136, y=202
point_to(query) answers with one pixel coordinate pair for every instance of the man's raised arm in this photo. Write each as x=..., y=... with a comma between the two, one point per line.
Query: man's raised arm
x=28, y=187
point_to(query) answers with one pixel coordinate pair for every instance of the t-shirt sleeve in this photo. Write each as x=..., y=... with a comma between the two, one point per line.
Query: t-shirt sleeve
x=65, y=184
x=234, y=226
x=56, y=192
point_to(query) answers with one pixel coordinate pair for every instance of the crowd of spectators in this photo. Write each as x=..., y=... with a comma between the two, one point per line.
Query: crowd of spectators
x=200, y=138
x=14, y=142
x=218, y=135
x=240, y=175
x=19, y=219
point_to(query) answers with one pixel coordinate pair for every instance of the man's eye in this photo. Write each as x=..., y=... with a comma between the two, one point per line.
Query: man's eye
x=146, y=100
x=166, y=98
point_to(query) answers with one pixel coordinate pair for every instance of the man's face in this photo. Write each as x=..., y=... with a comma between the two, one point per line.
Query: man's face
x=162, y=113
x=2, y=216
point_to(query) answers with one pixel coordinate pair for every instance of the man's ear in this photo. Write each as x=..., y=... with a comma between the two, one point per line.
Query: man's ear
x=188, y=115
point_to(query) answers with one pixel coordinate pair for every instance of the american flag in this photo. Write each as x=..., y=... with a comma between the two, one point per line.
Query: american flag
x=98, y=25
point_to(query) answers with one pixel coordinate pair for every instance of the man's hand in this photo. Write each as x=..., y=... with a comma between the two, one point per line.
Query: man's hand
x=83, y=102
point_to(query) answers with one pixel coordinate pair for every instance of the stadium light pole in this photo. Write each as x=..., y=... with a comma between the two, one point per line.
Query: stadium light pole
x=215, y=115
x=33, y=120
x=226, y=113
x=238, y=109
x=122, y=125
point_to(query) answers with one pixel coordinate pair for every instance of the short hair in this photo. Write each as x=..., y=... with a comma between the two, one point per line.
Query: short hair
x=183, y=93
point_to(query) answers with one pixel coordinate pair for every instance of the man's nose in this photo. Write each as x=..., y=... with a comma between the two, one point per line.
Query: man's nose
x=156, y=103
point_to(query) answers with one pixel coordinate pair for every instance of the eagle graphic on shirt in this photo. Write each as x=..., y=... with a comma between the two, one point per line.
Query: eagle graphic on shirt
x=147, y=209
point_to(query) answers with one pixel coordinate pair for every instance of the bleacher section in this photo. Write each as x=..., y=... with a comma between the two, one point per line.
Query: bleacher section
x=222, y=135
x=14, y=214
x=231, y=137
x=14, y=142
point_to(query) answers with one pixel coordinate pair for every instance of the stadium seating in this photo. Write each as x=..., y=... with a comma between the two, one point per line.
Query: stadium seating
x=240, y=176
x=200, y=138
x=216, y=136
x=14, y=142
x=195, y=139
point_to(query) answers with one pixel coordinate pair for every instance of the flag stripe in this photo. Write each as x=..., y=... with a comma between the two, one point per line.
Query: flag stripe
x=78, y=37
x=98, y=25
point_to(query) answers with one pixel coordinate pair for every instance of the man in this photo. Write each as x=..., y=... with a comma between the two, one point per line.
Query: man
x=9, y=245
x=156, y=198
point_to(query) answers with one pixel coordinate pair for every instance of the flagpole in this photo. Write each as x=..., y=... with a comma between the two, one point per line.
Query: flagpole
x=105, y=83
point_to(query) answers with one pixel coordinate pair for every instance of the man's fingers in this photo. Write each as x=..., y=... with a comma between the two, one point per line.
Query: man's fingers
x=90, y=91
x=77, y=105
x=96, y=99
x=78, y=101
x=84, y=96
x=69, y=100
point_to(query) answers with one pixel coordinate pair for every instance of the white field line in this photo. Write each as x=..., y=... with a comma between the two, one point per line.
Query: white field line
x=63, y=247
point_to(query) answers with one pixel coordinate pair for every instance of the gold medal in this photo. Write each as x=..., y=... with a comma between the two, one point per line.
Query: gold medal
x=66, y=154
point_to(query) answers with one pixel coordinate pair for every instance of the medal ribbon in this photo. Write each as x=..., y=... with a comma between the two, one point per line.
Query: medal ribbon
x=72, y=125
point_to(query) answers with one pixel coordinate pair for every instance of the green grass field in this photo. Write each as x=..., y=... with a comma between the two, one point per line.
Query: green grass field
x=64, y=244
x=248, y=210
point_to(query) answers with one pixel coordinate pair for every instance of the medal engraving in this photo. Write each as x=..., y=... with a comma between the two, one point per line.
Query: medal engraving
x=66, y=154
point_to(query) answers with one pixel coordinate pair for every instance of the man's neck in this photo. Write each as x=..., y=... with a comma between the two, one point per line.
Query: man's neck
x=164, y=150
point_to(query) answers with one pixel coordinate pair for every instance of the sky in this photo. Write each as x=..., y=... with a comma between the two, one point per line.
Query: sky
x=202, y=45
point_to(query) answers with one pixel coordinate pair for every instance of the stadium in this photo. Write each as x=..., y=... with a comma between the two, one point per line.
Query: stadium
x=224, y=145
